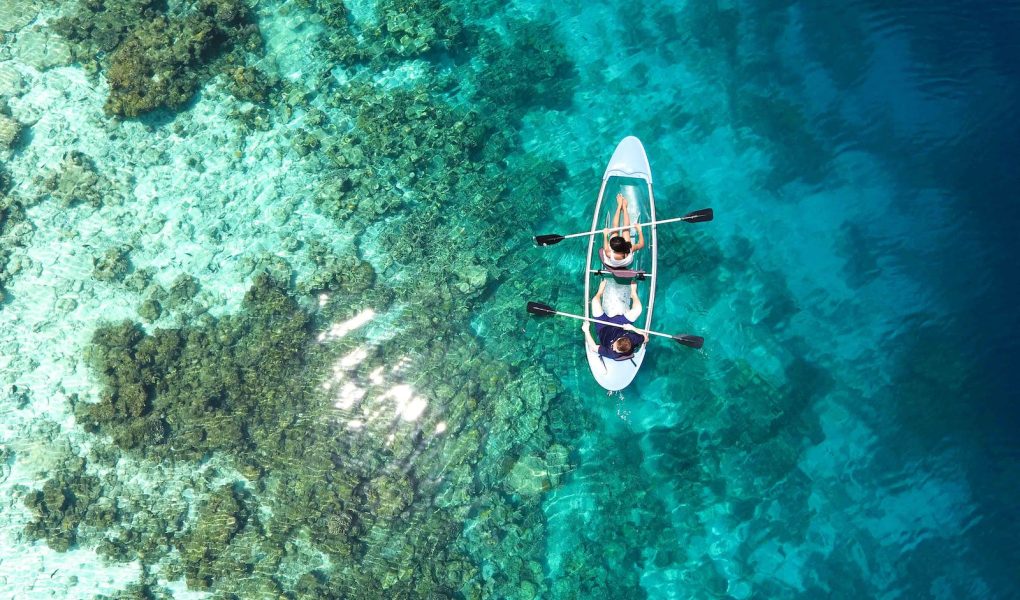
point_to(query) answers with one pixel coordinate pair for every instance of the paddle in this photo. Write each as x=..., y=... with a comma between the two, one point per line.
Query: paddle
x=544, y=310
x=698, y=216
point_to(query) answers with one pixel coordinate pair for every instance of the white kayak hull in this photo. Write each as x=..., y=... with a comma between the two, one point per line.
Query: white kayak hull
x=627, y=173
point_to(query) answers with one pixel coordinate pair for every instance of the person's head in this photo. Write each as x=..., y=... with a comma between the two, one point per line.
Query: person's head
x=619, y=245
x=623, y=345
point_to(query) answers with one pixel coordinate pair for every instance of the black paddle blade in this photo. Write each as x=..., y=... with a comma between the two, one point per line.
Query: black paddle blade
x=548, y=239
x=542, y=310
x=700, y=216
x=692, y=341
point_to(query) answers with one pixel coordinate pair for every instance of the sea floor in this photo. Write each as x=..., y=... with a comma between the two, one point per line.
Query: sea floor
x=263, y=269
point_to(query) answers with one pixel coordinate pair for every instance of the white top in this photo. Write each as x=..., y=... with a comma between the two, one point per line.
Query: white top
x=609, y=261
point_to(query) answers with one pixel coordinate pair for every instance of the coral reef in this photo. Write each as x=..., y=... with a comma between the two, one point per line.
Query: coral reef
x=78, y=180
x=157, y=395
x=528, y=70
x=9, y=132
x=15, y=231
x=97, y=27
x=183, y=289
x=414, y=27
x=223, y=516
x=113, y=265
x=802, y=155
x=342, y=439
x=65, y=501
x=150, y=310
x=151, y=68
x=162, y=62
x=158, y=59
x=252, y=83
x=401, y=29
x=349, y=275
x=239, y=385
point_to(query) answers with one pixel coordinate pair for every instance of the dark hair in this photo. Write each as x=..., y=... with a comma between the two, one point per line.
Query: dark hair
x=618, y=244
x=624, y=345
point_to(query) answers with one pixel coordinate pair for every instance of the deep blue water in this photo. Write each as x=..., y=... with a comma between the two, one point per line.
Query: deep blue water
x=861, y=159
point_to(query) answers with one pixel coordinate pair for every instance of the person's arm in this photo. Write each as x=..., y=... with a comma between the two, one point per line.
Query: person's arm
x=615, y=227
x=644, y=334
x=589, y=342
x=608, y=233
x=641, y=240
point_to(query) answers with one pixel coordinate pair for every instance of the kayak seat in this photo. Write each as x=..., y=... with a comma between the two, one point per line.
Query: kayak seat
x=629, y=357
x=621, y=272
x=602, y=257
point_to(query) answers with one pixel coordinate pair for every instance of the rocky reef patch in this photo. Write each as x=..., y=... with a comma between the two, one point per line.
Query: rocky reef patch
x=154, y=58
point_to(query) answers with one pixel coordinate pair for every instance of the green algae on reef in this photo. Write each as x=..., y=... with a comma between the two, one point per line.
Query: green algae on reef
x=156, y=59
x=401, y=29
x=14, y=231
x=182, y=394
x=328, y=508
x=244, y=385
x=76, y=181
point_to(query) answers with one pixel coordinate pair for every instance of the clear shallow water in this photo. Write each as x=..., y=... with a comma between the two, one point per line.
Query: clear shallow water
x=848, y=430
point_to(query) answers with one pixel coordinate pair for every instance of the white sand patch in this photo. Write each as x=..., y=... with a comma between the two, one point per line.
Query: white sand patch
x=35, y=571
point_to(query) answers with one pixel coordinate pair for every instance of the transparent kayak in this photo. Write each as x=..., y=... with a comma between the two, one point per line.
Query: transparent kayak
x=628, y=173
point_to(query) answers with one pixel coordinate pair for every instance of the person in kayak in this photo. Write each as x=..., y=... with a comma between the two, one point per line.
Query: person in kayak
x=615, y=342
x=617, y=250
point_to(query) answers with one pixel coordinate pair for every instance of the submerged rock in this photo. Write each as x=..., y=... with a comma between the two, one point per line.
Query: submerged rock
x=15, y=14
x=11, y=82
x=9, y=131
x=204, y=549
x=162, y=62
x=472, y=278
x=42, y=49
x=113, y=265
x=183, y=289
x=78, y=180
x=150, y=310
x=529, y=476
x=65, y=501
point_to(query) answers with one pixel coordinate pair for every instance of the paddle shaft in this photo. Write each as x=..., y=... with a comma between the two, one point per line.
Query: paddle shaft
x=597, y=231
x=580, y=318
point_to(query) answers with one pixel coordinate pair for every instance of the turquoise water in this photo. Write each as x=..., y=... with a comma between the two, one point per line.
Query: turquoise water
x=263, y=301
